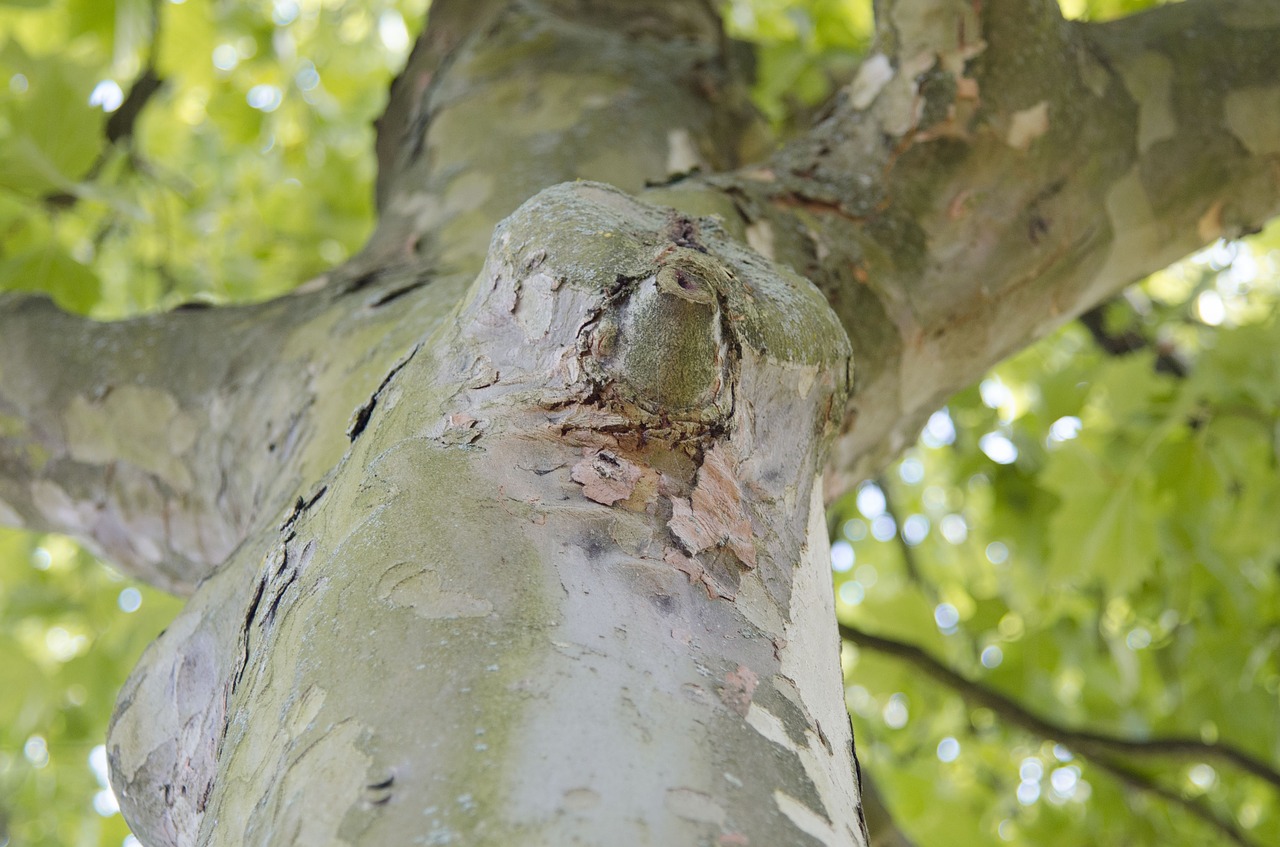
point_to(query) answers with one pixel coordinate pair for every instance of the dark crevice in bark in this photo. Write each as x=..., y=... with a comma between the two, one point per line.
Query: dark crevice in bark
x=301, y=506
x=393, y=294
x=360, y=417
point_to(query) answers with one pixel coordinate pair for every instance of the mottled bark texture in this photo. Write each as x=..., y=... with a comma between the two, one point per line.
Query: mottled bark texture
x=515, y=535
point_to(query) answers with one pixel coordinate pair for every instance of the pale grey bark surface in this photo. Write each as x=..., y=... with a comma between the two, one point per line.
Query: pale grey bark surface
x=516, y=536
x=541, y=600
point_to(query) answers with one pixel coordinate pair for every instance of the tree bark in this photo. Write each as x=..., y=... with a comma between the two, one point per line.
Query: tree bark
x=517, y=535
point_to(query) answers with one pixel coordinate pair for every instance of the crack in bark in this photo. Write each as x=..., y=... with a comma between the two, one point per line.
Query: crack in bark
x=301, y=505
x=246, y=628
x=396, y=293
x=360, y=417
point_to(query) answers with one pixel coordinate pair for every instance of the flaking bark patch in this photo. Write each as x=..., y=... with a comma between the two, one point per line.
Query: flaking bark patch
x=714, y=515
x=606, y=477
x=698, y=574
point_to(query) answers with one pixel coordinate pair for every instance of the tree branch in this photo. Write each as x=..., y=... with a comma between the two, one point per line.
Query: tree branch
x=1141, y=782
x=121, y=123
x=1092, y=744
x=160, y=442
x=119, y=127
x=909, y=559
x=87, y=445
x=884, y=830
x=971, y=190
x=1129, y=340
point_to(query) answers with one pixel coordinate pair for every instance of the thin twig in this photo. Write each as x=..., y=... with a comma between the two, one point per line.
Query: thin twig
x=1141, y=782
x=120, y=126
x=909, y=560
x=1130, y=341
x=1081, y=740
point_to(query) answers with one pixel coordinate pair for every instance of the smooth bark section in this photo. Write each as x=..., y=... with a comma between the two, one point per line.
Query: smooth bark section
x=114, y=433
x=557, y=592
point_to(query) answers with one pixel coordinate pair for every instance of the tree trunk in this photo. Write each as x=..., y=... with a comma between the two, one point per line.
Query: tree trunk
x=569, y=584
x=561, y=576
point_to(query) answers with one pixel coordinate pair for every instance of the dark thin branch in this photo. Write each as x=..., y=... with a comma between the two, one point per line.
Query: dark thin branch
x=1090, y=743
x=884, y=830
x=121, y=124
x=909, y=560
x=1130, y=340
x=1141, y=782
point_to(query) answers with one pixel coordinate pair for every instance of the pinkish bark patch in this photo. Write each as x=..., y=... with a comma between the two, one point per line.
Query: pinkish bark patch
x=606, y=477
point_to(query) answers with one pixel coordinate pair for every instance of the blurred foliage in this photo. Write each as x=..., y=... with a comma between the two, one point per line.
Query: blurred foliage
x=803, y=51
x=1087, y=534
x=246, y=173
x=1097, y=540
x=70, y=629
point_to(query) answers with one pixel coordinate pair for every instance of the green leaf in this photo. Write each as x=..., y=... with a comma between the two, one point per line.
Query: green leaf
x=52, y=271
x=53, y=133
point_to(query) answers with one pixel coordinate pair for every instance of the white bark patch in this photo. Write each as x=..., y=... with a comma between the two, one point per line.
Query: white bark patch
x=1149, y=78
x=60, y=509
x=811, y=822
x=900, y=104
x=1253, y=116
x=760, y=238
x=305, y=709
x=715, y=516
x=1028, y=125
x=695, y=806
x=606, y=477
x=412, y=586
x=682, y=156
x=932, y=28
x=769, y=725
x=1136, y=231
x=758, y=606
x=873, y=75
x=811, y=667
x=332, y=766
x=805, y=378
x=1209, y=225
